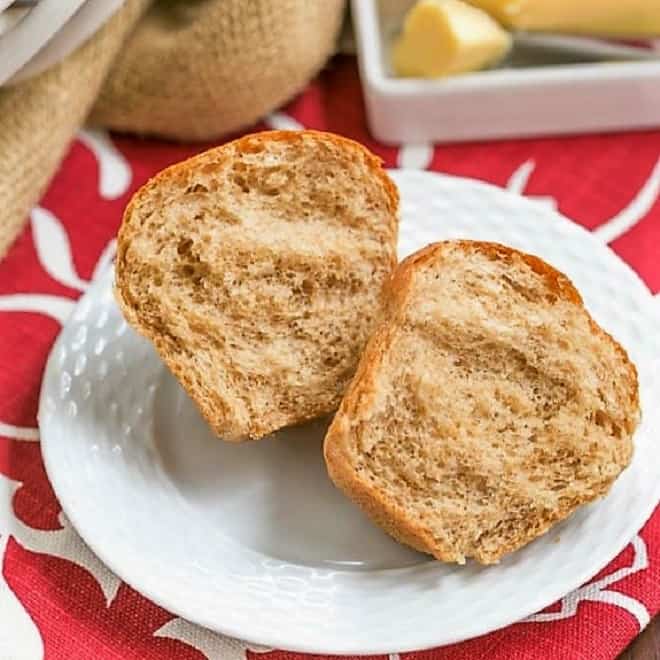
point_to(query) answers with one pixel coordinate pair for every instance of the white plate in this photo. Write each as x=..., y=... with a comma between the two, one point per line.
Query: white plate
x=32, y=33
x=252, y=540
x=82, y=25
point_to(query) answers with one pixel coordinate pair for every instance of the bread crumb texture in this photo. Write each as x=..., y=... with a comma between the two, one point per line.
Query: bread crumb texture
x=257, y=270
x=487, y=406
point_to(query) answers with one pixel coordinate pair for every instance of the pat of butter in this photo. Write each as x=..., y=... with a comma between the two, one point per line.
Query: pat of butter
x=445, y=37
x=622, y=18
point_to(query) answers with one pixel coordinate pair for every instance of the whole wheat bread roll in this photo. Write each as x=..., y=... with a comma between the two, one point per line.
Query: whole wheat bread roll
x=487, y=405
x=257, y=269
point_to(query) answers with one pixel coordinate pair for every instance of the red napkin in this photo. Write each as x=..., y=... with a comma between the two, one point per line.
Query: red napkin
x=57, y=601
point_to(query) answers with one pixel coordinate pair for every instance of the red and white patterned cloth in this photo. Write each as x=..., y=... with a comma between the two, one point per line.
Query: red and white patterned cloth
x=58, y=601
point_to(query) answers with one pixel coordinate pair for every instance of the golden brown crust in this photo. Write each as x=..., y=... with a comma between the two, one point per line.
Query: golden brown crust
x=252, y=143
x=356, y=404
x=247, y=143
x=180, y=174
x=556, y=281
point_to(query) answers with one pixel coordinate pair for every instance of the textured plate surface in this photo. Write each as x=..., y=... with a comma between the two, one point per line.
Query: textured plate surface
x=253, y=541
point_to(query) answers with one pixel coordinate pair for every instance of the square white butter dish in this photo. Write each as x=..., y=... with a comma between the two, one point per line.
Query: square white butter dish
x=538, y=93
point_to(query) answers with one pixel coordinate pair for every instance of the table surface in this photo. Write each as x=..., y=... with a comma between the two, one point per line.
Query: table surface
x=647, y=645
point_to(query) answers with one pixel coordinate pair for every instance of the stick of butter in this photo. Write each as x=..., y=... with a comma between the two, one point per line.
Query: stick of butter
x=446, y=37
x=614, y=18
